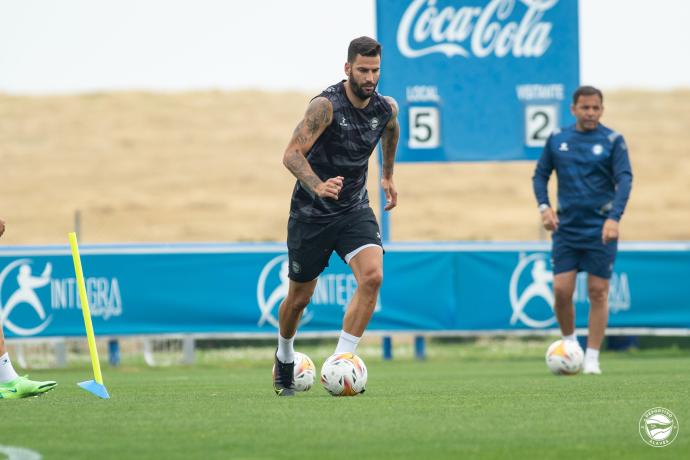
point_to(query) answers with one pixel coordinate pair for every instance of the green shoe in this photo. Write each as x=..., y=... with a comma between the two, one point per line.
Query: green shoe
x=21, y=387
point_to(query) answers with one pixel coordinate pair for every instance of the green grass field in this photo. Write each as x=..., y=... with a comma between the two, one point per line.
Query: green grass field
x=464, y=401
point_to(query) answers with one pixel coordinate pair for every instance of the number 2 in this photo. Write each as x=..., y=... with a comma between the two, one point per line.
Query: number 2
x=540, y=121
x=538, y=133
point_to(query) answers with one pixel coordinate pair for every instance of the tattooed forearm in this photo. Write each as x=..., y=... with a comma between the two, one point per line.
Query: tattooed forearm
x=389, y=143
x=319, y=115
x=299, y=167
x=389, y=140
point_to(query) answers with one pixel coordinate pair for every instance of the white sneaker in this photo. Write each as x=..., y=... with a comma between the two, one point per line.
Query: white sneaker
x=591, y=367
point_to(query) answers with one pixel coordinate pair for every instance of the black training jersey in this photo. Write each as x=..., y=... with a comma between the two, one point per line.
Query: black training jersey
x=343, y=149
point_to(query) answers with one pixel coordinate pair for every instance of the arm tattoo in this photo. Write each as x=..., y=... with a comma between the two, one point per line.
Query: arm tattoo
x=389, y=142
x=318, y=115
x=299, y=167
x=297, y=134
x=317, y=118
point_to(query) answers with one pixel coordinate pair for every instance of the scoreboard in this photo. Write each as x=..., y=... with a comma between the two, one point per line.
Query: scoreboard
x=478, y=80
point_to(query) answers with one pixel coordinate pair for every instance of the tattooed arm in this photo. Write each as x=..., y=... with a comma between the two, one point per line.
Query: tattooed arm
x=318, y=117
x=389, y=143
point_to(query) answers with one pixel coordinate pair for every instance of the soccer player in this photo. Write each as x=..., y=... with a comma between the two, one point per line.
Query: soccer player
x=329, y=155
x=13, y=386
x=594, y=181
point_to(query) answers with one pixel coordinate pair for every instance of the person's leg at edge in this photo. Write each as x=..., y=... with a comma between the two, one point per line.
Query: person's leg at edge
x=13, y=386
x=598, y=290
x=7, y=372
x=563, y=289
x=367, y=266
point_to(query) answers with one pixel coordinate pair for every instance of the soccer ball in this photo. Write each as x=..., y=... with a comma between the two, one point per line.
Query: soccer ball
x=344, y=374
x=305, y=372
x=565, y=357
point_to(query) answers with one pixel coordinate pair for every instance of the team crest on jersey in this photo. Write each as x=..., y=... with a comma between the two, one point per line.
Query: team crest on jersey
x=374, y=123
x=597, y=149
x=343, y=122
x=563, y=147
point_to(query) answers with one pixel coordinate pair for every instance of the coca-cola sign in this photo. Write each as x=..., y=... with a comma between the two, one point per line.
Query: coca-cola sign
x=499, y=28
x=478, y=80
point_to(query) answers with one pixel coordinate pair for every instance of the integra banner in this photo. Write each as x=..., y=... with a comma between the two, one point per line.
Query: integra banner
x=237, y=289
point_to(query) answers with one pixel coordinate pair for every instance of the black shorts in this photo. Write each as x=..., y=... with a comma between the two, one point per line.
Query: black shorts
x=597, y=258
x=310, y=245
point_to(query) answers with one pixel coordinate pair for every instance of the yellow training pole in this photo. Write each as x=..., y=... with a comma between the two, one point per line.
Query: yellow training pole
x=85, y=308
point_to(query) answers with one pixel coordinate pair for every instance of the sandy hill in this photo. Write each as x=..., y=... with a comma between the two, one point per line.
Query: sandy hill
x=206, y=166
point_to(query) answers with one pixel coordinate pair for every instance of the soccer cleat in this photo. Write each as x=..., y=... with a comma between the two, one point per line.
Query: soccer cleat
x=283, y=378
x=591, y=367
x=22, y=387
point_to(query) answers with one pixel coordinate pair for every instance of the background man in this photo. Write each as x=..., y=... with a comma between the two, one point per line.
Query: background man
x=594, y=181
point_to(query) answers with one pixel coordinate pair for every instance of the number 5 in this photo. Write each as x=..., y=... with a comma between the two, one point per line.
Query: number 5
x=424, y=128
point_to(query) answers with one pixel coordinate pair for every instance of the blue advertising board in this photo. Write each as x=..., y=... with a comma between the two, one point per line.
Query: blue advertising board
x=237, y=289
x=478, y=80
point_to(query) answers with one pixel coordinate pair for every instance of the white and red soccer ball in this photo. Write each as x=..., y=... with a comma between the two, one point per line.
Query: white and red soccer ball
x=565, y=357
x=344, y=374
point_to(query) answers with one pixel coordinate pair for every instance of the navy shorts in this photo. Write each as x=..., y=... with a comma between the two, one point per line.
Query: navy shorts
x=310, y=245
x=595, y=258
